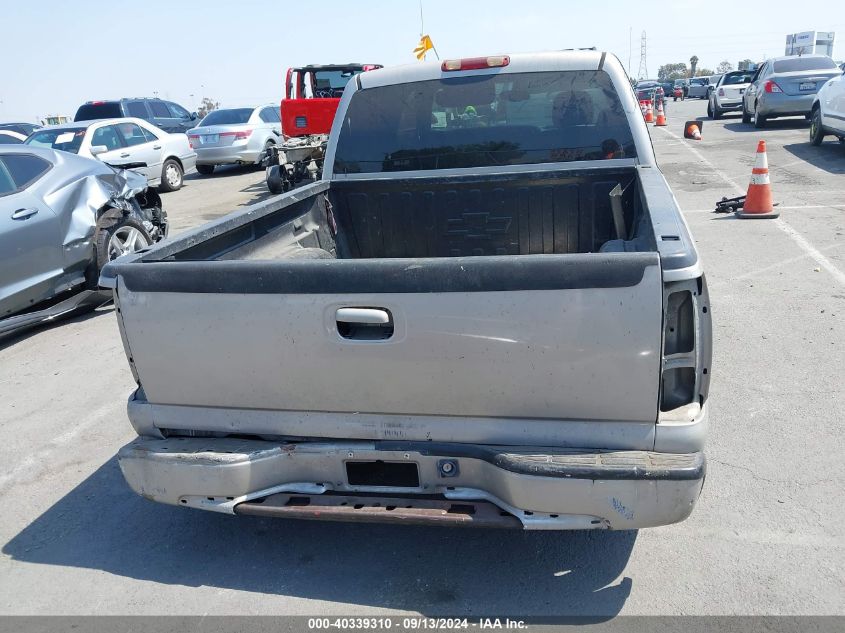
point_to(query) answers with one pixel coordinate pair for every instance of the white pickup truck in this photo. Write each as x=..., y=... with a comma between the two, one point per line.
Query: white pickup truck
x=489, y=312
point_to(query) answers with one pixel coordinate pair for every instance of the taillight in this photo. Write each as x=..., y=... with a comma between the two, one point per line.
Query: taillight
x=191, y=139
x=239, y=136
x=475, y=63
x=771, y=86
x=721, y=92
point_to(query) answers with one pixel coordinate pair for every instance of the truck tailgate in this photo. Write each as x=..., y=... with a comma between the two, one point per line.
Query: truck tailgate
x=557, y=337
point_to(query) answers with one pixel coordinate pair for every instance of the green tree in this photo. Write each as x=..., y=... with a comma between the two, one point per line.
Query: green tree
x=745, y=64
x=207, y=106
x=693, y=63
x=724, y=67
x=704, y=72
x=670, y=72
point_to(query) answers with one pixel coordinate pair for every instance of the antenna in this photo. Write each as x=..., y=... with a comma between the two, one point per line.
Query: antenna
x=643, y=72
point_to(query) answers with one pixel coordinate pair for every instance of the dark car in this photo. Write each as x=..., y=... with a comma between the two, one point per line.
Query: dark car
x=21, y=128
x=169, y=116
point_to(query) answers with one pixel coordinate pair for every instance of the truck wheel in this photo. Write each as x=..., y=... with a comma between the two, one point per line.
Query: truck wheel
x=717, y=113
x=171, y=176
x=205, y=170
x=118, y=235
x=710, y=109
x=275, y=182
x=746, y=118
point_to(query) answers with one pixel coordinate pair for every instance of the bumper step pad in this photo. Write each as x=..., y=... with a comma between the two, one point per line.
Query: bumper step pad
x=364, y=509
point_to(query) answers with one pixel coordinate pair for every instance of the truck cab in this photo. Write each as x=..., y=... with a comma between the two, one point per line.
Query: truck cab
x=312, y=94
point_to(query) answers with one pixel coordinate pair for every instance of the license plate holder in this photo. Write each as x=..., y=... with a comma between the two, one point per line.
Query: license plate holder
x=807, y=85
x=209, y=138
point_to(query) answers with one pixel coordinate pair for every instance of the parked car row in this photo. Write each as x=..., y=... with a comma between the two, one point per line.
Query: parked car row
x=165, y=156
x=812, y=86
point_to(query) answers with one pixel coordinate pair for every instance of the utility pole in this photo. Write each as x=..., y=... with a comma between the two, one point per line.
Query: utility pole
x=643, y=72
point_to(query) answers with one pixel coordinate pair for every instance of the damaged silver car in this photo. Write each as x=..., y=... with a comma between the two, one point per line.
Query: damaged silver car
x=62, y=218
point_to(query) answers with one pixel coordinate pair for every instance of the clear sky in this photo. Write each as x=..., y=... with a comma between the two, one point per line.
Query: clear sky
x=56, y=55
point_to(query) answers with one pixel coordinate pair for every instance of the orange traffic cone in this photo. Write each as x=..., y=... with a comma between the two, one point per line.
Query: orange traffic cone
x=758, y=200
x=692, y=129
x=649, y=116
x=661, y=116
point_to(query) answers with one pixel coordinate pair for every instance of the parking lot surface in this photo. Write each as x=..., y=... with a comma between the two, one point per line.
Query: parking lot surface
x=766, y=537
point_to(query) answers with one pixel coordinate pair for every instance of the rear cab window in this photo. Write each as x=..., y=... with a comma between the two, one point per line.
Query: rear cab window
x=484, y=121
x=99, y=110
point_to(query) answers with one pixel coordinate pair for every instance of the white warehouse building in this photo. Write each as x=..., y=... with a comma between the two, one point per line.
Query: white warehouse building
x=810, y=42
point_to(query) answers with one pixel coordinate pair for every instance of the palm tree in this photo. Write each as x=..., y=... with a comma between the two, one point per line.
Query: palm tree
x=693, y=62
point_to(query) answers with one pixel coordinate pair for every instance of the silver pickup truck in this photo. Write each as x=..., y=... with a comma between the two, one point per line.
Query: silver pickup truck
x=489, y=312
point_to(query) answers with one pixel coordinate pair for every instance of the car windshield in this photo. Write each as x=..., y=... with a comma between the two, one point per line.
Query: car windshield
x=64, y=139
x=484, y=121
x=234, y=116
x=732, y=79
x=795, y=64
x=100, y=110
x=696, y=82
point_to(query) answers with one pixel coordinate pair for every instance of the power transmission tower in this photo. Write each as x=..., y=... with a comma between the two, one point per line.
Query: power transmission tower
x=643, y=72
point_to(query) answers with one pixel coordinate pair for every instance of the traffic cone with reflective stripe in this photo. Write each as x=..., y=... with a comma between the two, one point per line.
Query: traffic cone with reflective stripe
x=758, y=201
x=692, y=129
x=649, y=115
x=661, y=116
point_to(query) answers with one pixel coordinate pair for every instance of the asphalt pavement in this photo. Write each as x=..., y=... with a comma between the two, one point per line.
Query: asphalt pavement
x=765, y=538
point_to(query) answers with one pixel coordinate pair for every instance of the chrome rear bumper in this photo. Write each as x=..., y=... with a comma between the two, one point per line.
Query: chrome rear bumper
x=531, y=488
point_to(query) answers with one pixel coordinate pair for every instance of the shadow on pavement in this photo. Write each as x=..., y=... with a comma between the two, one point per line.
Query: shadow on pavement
x=829, y=156
x=78, y=316
x=772, y=125
x=102, y=525
x=223, y=171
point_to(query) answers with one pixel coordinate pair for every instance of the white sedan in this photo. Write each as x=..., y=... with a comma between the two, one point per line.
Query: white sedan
x=828, y=113
x=727, y=95
x=166, y=157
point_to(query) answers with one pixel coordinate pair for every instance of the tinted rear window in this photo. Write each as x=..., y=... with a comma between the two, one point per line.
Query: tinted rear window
x=227, y=117
x=64, y=139
x=732, y=79
x=91, y=111
x=804, y=63
x=484, y=121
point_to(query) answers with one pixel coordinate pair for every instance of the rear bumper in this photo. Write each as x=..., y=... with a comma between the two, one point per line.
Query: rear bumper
x=531, y=488
x=228, y=155
x=728, y=103
x=780, y=104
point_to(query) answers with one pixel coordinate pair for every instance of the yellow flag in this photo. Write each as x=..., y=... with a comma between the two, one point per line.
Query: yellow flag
x=424, y=46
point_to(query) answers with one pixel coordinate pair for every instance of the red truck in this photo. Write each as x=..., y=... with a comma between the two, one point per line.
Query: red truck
x=312, y=95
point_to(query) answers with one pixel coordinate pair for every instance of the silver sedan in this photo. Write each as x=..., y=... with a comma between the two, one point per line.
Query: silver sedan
x=786, y=86
x=162, y=157
x=235, y=136
x=62, y=218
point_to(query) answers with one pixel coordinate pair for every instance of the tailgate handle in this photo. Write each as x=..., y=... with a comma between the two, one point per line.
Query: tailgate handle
x=364, y=324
